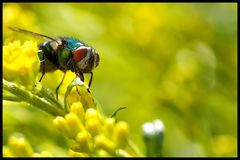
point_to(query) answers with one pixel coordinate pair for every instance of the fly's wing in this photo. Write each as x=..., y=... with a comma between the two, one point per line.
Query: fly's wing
x=32, y=33
x=47, y=65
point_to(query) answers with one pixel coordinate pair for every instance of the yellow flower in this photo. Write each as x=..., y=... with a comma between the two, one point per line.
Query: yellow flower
x=91, y=133
x=18, y=146
x=20, y=62
x=120, y=134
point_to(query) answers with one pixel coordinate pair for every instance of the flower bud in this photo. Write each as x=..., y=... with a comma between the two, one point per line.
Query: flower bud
x=108, y=126
x=153, y=137
x=61, y=124
x=91, y=113
x=120, y=134
x=78, y=109
x=73, y=123
x=104, y=143
x=20, y=147
x=84, y=140
x=92, y=121
x=93, y=126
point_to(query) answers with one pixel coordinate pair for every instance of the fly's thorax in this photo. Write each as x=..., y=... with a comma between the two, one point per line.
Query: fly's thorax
x=64, y=58
x=86, y=58
x=62, y=52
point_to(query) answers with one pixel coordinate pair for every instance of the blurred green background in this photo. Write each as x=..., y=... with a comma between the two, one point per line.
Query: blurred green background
x=175, y=62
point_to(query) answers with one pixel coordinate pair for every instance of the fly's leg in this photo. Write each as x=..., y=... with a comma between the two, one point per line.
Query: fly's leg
x=60, y=85
x=43, y=72
x=80, y=75
x=90, y=82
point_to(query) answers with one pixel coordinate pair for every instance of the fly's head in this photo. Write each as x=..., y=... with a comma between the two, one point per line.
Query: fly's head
x=86, y=58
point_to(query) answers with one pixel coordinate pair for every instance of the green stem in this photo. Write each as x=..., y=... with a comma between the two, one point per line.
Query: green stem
x=47, y=94
x=135, y=148
x=11, y=98
x=32, y=99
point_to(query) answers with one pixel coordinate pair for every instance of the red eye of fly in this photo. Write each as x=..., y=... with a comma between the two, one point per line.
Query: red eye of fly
x=79, y=54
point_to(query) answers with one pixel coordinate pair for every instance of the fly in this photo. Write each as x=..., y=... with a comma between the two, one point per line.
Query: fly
x=65, y=54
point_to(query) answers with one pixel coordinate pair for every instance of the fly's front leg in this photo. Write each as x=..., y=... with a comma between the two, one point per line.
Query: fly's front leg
x=90, y=82
x=80, y=75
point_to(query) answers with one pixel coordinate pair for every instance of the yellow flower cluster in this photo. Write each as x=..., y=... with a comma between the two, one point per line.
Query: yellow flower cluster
x=90, y=133
x=20, y=147
x=20, y=62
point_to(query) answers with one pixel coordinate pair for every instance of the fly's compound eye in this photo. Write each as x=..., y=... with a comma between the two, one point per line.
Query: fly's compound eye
x=80, y=53
x=97, y=59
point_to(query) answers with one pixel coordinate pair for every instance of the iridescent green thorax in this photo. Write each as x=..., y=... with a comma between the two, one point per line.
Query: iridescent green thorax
x=66, y=53
x=73, y=44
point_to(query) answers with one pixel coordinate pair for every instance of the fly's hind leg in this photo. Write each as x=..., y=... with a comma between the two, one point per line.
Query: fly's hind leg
x=60, y=85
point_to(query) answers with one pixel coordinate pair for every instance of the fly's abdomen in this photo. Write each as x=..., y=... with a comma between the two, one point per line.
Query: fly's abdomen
x=47, y=56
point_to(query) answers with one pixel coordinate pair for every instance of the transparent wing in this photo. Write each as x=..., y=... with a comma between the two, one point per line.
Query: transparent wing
x=31, y=33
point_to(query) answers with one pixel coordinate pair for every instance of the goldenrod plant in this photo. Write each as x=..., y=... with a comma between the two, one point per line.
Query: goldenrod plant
x=172, y=66
x=78, y=118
